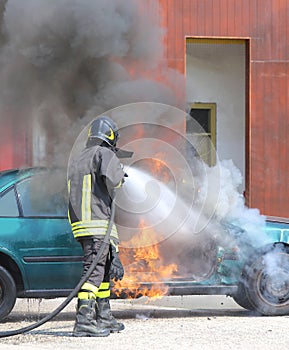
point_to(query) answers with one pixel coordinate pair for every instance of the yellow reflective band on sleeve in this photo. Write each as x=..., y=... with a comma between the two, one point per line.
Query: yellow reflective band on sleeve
x=88, y=287
x=86, y=198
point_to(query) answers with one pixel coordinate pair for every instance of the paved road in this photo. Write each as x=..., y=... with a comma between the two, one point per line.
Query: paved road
x=190, y=322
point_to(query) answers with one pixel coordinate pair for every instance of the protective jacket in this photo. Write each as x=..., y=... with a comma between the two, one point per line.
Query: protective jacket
x=91, y=178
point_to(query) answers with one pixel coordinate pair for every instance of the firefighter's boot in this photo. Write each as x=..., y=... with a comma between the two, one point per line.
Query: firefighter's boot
x=105, y=318
x=85, y=324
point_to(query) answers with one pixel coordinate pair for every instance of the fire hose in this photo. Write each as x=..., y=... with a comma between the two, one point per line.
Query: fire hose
x=76, y=289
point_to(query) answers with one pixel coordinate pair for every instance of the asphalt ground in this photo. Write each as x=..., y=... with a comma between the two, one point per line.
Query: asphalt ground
x=188, y=322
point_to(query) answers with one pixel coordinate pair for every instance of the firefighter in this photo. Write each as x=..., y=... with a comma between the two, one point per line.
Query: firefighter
x=91, y=179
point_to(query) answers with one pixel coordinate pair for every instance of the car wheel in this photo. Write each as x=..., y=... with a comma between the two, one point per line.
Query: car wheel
x=241, y=297
x=267, y=287
x=7, y=293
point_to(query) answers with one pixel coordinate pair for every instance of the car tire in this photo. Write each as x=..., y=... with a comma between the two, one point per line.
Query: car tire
x=267, y=282
x=241, y=297
x=7, y=293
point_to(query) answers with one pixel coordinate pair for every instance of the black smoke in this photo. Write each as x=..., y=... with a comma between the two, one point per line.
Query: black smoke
x=65, y=61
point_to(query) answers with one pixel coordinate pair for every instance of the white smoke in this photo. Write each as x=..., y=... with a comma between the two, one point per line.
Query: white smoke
x=220, y=197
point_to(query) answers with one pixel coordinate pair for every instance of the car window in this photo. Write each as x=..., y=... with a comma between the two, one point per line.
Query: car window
x=8, y=204
x=43, y=196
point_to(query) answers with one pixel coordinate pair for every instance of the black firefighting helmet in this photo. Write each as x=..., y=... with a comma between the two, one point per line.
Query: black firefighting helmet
x=103, y=128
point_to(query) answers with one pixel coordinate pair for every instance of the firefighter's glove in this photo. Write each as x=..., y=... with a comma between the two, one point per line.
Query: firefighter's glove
x=116, y=270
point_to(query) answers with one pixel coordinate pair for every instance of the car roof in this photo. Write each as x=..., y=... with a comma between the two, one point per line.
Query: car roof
x=11, y=176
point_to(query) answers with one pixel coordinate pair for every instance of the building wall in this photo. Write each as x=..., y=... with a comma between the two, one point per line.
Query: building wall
x=6, y=159
x=266, y=24
x=14, y=142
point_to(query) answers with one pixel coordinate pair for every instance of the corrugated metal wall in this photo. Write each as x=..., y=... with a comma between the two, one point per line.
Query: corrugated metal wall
x=15, y=144
x=266, y=24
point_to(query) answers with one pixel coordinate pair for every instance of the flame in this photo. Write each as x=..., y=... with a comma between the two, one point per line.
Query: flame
x=161, y=170
x=145, y=270
x=158, y=167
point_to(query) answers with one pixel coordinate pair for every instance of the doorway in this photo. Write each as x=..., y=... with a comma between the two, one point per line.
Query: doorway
x=217, y=74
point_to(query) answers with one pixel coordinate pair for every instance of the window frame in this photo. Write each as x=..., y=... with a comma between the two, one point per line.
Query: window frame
x=12, y=188
x=212, y=107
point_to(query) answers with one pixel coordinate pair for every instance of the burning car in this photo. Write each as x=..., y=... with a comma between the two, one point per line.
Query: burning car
x=39, y=258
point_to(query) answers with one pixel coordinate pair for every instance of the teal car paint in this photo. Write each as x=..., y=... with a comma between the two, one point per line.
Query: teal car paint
x=277, y=232
x=39, y=257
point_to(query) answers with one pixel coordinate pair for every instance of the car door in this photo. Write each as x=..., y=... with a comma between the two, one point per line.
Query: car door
x=50, y=254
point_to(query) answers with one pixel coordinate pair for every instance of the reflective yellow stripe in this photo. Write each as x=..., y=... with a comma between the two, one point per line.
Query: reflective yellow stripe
x=90, y=291
x=93, y=232
x=103, y=291
x=68, y=187
x=89, y=132
x=93, y=228
x=86, y=198
x=119, y=184
x=86, y=295
x=91, y=223
x=104, y=285
x=103, y=294
x=112, y=242
x=89, y=287
x=111, y=136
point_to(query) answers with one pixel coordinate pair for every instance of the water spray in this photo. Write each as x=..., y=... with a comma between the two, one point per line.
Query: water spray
x=163, y=209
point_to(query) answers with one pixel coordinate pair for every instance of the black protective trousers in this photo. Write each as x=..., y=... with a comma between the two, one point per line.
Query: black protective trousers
x=90, y=247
